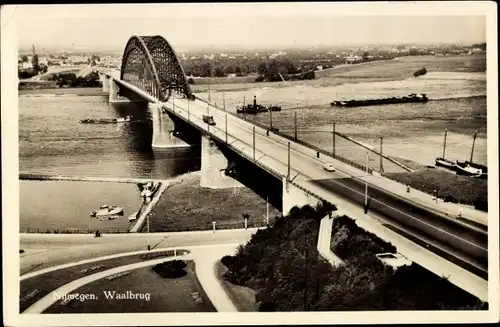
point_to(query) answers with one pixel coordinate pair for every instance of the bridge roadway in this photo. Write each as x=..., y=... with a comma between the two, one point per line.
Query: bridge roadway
x=459, y=243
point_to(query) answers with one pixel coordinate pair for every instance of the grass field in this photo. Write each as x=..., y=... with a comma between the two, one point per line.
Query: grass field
x=242, y=297
x=166, y=295
x=46, y=283
x=463, y=189
x=187, y=206
x=404, y=67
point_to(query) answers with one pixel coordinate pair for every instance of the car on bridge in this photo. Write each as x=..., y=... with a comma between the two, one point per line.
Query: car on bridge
x=329, y=167
x=209, y=120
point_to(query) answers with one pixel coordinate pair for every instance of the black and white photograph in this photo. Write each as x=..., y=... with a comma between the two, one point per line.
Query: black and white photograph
x=276, y=163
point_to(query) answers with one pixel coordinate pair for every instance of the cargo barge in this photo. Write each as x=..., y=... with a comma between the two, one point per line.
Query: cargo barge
x=372, y=102
x=256, y=108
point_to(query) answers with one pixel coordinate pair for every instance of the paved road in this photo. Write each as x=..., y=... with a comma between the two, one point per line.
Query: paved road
x=48, y=250
x=455, y=238
x=460, y=242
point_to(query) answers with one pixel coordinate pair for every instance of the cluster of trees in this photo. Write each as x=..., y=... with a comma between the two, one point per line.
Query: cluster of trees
x=71, y=80
x=171, y=269
x=242, y=67
x=282, y=264
x=36, y=67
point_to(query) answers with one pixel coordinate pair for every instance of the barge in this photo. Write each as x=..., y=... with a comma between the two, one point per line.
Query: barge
x=413, y=97
x=256, y=108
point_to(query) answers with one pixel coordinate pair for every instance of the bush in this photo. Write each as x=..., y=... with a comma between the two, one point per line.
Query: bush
x=171, y=269
x=227, y=260
x=481, y=204
x=190, y=80
x=259, y=78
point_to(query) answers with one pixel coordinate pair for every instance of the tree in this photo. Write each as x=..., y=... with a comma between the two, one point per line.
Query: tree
x=237, y=70
x=365, y=55
x=24, y=58
x=262, y=69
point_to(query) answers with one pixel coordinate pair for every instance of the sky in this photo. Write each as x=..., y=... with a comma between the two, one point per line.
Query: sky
x=247, y=25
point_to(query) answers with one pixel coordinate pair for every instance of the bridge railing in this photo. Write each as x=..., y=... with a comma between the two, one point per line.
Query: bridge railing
x=73, y=230
x=299, y=141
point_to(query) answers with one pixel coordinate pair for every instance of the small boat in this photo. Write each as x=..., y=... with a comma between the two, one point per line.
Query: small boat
x=464, y=168
x=106, y=210
x=420, y=72
x=442, y=162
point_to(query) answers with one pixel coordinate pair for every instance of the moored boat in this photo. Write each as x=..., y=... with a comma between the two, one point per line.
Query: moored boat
x=106, y=210
x=442, y=162
x=256, y=108
x=420, y=72
x=470, y=169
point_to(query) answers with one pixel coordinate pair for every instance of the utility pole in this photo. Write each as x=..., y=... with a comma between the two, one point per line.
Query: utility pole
x=295, y=125
x=305, y=280
x=381, y=155
x=473, y=142
x=366, y=182
x=333, y=136
x=209, y=90
x=267, y=210
x=224, y=100
x=149, y=235
x=288, y=172
x=189, y=118
x=226, y=128
x=244, y=115
x=270, y=119
x=253, y=134
x=444, y=146
x=173, y=102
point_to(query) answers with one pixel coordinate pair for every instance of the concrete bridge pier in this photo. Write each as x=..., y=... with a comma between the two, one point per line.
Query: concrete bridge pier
x=113, y=89
x=105, y=82
x=163, y=129
x=296, y=197
x=213, y=165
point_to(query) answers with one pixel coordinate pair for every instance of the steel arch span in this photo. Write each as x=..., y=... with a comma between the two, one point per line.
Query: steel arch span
x=151, y=64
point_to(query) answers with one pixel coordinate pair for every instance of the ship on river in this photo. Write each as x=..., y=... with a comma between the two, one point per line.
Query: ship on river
x=256, y=108
x=413, y=97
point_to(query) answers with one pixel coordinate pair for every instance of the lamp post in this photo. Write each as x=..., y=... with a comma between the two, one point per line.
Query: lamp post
x=226, y=128
x=270, y=119
x=209, y=90
x=267, y=210
x=366, y=181
x=224, y=100
x=189, y=118
x=381, y=155
x=149, y=235
x=333, y=136
x=295, y=124
x=253, y=141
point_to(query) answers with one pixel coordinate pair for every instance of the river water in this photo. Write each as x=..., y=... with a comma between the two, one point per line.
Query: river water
x=51, y=140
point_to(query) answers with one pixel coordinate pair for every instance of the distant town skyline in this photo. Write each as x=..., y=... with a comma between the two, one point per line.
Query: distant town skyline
x=258, y=25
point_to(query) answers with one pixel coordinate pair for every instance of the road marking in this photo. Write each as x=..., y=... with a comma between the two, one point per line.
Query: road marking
x=408, y=215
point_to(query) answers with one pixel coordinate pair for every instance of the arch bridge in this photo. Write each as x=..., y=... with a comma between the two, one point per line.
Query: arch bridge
x=151, y=64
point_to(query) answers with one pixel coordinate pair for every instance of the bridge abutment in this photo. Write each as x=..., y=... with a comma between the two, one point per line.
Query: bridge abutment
x=105, y=82
x=296, y=197
x=163, y=129
x=213, y=165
